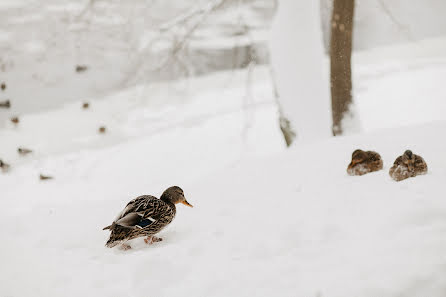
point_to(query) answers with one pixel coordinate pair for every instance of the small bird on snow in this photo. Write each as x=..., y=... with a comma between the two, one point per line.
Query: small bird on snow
x=5, y=104
x=15, y=120
x=45, y=177
x=145, y=216
x=364, y=162
x=5, y=167
x=24, y=151
x=407, y=165
x=102, y=129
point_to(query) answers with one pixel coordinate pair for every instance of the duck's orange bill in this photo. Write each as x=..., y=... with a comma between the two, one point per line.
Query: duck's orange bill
x=186, y=203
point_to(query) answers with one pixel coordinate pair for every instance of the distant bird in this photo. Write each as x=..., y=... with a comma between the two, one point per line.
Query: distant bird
x=85, y=105
x=5, y=167
x=3, y=86
x=145, y=216
x=24, y=151
x=15, y=120
x=364, y=162
x=407, y=165
x=45, y=177
x=81, y=68
x=102, y=129
x=5, y=104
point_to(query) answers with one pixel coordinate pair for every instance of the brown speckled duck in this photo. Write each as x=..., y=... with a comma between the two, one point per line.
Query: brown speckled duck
x=407, y=165
x=364, y=162
x=145, y=216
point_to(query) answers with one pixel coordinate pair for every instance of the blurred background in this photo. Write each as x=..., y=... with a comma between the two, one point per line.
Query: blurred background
x=154, y=67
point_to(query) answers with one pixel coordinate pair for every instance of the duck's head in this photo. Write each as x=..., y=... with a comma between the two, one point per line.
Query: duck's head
x=408, y=154
x=358, y=156
x=409, y=159
x=175, y=195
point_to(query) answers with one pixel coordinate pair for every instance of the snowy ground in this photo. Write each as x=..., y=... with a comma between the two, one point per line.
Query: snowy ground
x=266, y=221
x=292, y=224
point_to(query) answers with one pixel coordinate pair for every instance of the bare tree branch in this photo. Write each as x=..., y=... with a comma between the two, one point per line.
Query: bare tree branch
x=401, y=27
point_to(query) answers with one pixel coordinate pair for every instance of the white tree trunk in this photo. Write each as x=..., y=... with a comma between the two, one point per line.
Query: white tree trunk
x=298, y=59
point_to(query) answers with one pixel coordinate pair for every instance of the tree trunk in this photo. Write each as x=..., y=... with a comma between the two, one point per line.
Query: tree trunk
x=340, y=61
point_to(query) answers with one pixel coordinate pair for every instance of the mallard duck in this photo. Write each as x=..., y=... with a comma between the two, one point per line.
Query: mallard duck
x=45, y=177
x=24, y=151
x=102, y=129
x=5, y=104
x=81, y=68
x=407, y=165
x=4, y=167
x=3, y=86
x=15, y=120
x=364, y=162
x=85, y=105
x=145, y=216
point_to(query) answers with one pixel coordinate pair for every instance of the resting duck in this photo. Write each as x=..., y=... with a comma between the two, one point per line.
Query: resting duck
x=4, y=167
x=5, y=104
x=102, y=129
x=145, y=216
x=15, y=120
x=45, y=177
x=364, y=162
x=24, y=151
x=407, y=165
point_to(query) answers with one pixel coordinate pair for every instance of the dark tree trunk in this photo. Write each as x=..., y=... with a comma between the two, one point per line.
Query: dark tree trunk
x=340, y=64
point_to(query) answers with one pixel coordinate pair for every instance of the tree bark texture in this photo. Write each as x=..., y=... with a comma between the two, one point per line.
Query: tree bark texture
x=340, y=61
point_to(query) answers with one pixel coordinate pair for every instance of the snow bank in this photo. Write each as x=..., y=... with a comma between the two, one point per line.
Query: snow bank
x=293, y=224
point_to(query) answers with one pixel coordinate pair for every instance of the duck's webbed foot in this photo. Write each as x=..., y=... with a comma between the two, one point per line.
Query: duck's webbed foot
x=152, y=239
x=125, y=247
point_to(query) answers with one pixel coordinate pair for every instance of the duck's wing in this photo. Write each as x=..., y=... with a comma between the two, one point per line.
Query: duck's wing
x=420, y=164
x=398, y=161
x=141, y=212
x=374, y=156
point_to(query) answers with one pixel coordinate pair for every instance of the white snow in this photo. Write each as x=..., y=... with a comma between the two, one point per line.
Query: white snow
x=297, y=57
x=266, y=221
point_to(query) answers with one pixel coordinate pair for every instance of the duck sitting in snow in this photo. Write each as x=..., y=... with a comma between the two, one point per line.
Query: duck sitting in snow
x=364, y=162
x=407, y=165
x=24, y=151
x=145, y=216
x=4, y=167
x=5, y=104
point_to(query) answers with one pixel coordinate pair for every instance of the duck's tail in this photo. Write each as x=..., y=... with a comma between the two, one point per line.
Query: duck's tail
x=118, y=234
x=110, y=227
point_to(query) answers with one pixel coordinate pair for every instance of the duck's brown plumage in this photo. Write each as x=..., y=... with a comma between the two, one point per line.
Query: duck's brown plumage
x=407, y=165
x=145, y=216
x=364, y=162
